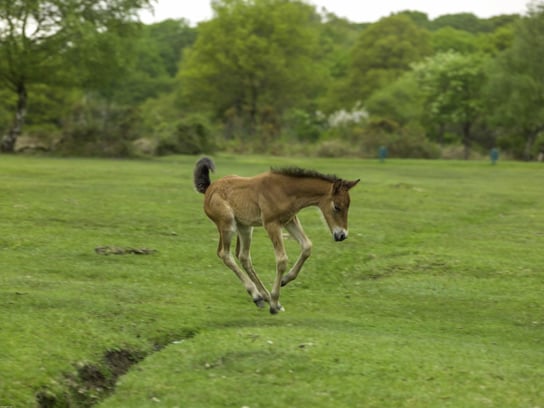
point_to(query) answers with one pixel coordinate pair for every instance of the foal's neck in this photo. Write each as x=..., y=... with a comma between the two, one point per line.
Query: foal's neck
x=306, y=191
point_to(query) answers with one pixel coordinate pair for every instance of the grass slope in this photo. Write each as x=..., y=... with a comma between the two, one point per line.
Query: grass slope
x=434, y=300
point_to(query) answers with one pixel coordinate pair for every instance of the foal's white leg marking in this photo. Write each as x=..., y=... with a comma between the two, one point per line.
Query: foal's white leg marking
x=294, y=227
x=245, y=234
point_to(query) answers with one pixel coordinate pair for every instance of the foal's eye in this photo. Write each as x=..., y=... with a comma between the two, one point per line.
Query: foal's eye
x=336, y=208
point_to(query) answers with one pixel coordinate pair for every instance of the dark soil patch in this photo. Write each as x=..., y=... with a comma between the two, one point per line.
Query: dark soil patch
x=120, y=361
x=113, y=250
x=92, y=382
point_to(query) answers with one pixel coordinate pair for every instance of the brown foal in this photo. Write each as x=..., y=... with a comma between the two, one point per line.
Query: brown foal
x=272, y=200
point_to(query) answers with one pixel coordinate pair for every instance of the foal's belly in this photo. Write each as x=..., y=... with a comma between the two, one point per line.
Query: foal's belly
x=249, y=220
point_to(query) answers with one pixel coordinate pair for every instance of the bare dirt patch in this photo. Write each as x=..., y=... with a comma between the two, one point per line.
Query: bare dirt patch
x=91, y=382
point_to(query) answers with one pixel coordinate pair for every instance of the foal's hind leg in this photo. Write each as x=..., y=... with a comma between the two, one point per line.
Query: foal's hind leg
x=226, y=233
x=274, y=232
x=242, y=252
x=295, y=229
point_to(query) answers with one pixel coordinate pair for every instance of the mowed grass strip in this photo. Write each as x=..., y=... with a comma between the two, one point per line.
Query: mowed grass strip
x=435, y=299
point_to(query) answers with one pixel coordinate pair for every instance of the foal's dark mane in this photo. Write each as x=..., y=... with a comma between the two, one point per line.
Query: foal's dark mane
x=298, y=172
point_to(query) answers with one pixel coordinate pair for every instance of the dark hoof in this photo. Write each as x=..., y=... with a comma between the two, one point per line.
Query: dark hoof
x=285, y=280
x=276, y=310
x=259, y=302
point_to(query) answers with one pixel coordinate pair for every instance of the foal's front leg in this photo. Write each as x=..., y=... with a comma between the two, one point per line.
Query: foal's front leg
x=274, y=232
x=294, y=227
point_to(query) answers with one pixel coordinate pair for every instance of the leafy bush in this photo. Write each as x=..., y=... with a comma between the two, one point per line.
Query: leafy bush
x=93, y=127
x=457, y=152
x=401, y=142
x=193, y=135
x=414, y=146
x=305, y=127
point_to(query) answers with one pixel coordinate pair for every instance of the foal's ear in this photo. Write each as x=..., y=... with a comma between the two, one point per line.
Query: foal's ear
x=350, y=184
x=343, y=185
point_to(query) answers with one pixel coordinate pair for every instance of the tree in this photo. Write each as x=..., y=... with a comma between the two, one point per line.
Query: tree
x=452, y=86
x=35, y=35
x=418, y=17
x=462, y=21
x=497, y=41
x=169, y=38
x=251, y=63
x=451, y=39
x=517, y=81
x=383, y=52
x=400, y=101
x=338, y=35
x=150, y=61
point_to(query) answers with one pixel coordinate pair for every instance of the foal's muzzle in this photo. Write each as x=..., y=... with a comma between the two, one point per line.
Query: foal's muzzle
x=340, y=235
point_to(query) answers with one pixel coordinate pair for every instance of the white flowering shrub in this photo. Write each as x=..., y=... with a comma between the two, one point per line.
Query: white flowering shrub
x=343, y=117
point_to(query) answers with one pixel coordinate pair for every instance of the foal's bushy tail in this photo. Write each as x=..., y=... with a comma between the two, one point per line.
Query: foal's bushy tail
x=202, y=174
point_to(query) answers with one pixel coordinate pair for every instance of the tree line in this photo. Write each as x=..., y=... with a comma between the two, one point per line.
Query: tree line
x=81, y=77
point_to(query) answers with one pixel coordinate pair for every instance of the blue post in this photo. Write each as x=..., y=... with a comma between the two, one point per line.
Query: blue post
x=494, y=155
x=382, y=153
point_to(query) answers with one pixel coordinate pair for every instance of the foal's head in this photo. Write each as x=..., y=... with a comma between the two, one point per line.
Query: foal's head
x=335, y=206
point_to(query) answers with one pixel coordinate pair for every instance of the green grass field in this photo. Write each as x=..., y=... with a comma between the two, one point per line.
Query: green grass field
x=435, y=300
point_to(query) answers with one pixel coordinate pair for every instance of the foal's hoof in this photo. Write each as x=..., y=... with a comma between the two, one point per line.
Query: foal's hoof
x=259, y=302
x=286, y=279
x=276, y=310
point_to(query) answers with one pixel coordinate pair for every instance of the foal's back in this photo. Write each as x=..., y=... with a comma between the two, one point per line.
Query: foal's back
x=251, y=201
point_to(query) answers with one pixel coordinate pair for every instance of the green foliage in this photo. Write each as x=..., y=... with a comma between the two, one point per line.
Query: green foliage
x=252, y=62
x=95, y=127
x=193, y=135
x=461, y=21
x=517, y=86
x=498, y=41
x=418, y=17
x=159, y=116
x=7, y=101
x=503, y=20
x=156, y=51
x=451, y=83
x=304, y=126
x=337, y=37
x=168, y=38
x=405, y=142
x=450, y=39
x=49, y=104
x=259, y=72
x=37, y=36
x=411, y=142
x=452, y=86
x=337, y=148
x=99, y=61
x=384, y=51
x=400, y=101
x=435, y=299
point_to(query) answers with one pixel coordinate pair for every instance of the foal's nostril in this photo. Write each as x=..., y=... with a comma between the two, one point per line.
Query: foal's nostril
x=340, y=236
